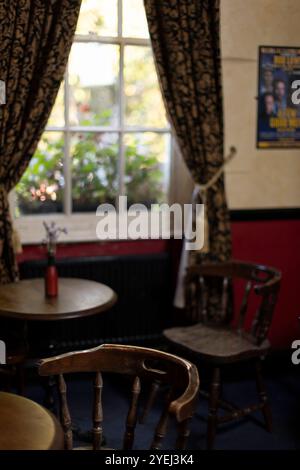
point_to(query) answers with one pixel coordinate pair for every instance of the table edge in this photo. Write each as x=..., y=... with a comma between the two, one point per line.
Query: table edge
x=97, y=310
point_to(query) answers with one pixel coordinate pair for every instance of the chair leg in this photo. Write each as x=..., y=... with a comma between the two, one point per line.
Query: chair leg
x=150, y=400
x=183, y=435
x=261, y=389
x=214, y=395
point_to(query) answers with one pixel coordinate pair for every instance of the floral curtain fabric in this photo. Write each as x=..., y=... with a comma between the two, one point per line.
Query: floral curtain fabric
x=35, y=40
x=185, y=37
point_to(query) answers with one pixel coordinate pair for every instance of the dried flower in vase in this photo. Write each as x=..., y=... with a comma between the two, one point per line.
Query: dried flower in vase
x=52, y=234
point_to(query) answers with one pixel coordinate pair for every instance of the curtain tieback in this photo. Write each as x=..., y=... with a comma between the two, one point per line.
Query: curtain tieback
x=202, y=189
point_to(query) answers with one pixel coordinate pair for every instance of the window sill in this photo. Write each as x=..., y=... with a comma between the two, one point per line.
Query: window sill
x=81, y=228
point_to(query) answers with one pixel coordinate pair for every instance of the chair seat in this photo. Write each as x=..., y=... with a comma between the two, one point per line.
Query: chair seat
x=218, y=345
x=26, y=425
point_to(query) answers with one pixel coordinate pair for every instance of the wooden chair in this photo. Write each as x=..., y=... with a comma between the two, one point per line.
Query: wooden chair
x=140, y=363
x=228, y=338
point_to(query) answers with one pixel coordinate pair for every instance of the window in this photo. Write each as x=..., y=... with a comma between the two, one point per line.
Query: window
x=108, y=133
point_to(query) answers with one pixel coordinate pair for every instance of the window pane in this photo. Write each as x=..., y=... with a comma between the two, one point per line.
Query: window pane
x=94, y=170
x=98, y=17
x=134, y=19
x=57, y=114
x=144, y=104
x=93, y=78
x=41, y=187
x=147, y=167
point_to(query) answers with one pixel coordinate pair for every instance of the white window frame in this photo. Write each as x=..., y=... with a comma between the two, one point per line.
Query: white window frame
x=81, y=227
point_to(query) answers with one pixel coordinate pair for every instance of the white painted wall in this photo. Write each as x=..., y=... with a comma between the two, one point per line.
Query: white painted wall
x=256, y=178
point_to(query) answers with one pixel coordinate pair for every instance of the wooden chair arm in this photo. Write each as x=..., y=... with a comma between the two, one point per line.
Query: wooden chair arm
x=184, y=406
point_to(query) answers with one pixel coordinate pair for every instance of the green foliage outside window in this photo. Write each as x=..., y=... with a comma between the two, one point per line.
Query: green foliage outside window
x=95, y=160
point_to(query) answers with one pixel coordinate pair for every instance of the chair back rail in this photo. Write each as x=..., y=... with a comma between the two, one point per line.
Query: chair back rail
x=263, y=281
x=141, y=363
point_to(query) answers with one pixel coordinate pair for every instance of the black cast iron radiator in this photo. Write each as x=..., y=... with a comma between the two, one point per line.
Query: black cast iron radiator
x=143, y=285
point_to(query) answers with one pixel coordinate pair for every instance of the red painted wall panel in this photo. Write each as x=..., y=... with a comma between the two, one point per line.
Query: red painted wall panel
x=70, y=250
x=276, y=243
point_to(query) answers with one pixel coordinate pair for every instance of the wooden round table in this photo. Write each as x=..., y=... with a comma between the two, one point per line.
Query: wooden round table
x=76, y=298
x=26, y=425
x=26, y=301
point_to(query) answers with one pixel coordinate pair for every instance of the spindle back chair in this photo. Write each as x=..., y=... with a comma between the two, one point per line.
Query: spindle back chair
x=140, y=363
x=261, y=280
x=225, y=336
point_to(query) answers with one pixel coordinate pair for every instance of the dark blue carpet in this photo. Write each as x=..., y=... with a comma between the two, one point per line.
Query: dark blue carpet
x=283, y=384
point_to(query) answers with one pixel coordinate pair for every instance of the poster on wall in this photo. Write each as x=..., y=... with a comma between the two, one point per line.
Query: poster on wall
x=278, y=123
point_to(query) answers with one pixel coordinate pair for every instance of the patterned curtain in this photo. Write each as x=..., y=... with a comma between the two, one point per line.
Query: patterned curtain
x=35, y=40
x=186, y=44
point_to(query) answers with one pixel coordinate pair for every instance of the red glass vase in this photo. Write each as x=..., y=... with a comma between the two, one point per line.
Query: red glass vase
x=51, y=278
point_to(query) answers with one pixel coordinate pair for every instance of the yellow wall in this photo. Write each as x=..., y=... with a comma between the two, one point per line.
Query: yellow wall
x=256, y=178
